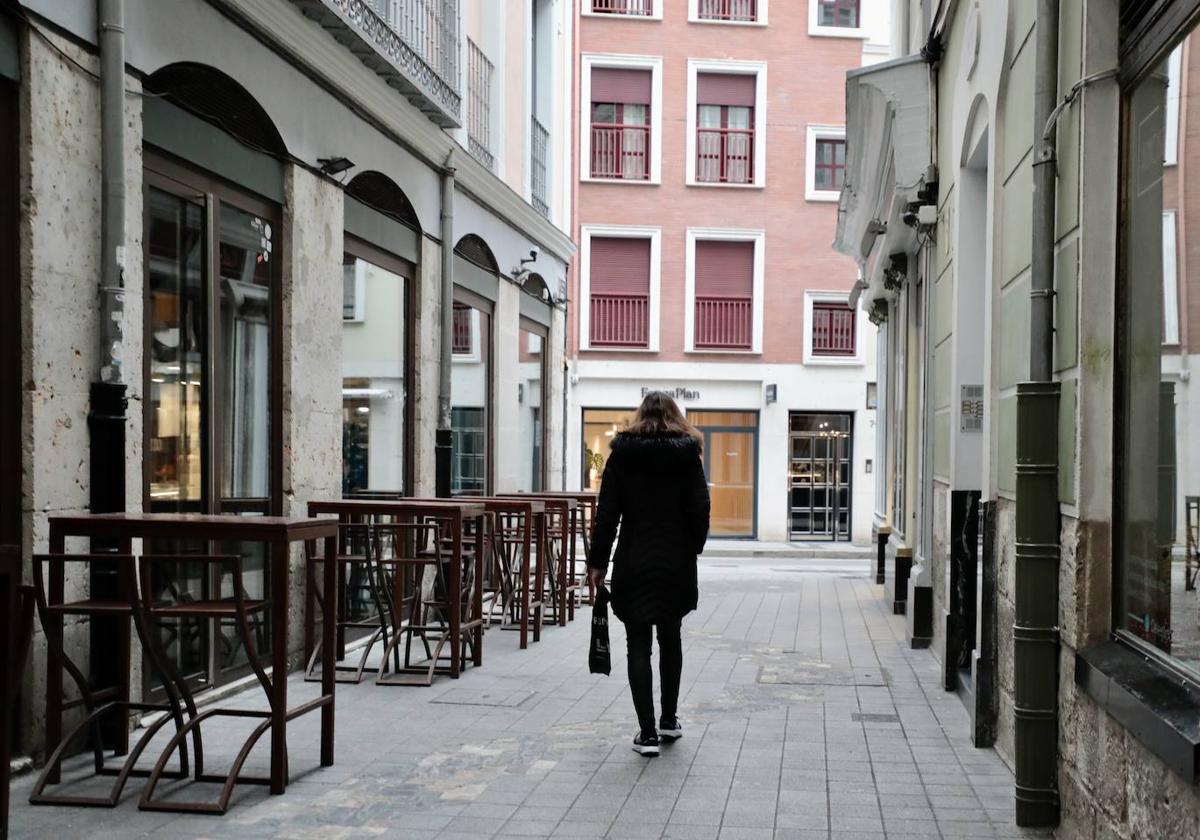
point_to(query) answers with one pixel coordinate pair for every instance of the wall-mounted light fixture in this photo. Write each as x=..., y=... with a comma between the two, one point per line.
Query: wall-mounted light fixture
x=772, y=393
x=872, y=395
x=334, y=165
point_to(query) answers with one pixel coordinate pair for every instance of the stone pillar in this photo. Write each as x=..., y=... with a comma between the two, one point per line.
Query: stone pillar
x=312, y=357
x=427, y=341
x=60, y=271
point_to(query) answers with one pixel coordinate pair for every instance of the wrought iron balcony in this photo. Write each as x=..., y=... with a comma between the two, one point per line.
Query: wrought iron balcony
x=412, y=44
x=538, y=172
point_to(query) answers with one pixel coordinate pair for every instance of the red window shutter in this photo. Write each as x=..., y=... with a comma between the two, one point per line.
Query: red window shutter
x=725, y=269
x=620, y=266
x=724, y=89
x=631, y=87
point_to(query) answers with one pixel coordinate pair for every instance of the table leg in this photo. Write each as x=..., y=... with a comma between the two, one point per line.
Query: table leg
x=310, y=600
x=477, y=596
x=526, y=552
x=125, y=664
x=563, y=559
x=54, y=656
x=455, y=597
x=328, y=661
x=539, y=579
x=279, y=645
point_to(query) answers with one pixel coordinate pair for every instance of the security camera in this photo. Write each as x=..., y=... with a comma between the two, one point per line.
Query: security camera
x=533, y=254
x=910, y=219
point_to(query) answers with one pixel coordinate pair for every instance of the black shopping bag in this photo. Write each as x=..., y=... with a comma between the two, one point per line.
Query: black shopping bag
x=599, y=660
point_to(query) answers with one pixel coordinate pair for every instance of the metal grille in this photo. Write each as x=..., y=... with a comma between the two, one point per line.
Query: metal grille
x=621, y=151
x=623, y=7
x=418, y=38
x=744, y=11
x=724, y=322
x=725, y=155
x=620, y=320
x=479, y=105
x=834, y=330
x=538, y=178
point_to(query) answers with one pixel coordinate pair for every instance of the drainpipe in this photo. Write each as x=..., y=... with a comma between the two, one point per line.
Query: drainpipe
x=443, y=440
x=106, y=414
x=1035, y=628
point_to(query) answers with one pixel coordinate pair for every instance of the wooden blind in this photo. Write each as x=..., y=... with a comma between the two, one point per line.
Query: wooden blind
x=620, y=266
x=725, y=269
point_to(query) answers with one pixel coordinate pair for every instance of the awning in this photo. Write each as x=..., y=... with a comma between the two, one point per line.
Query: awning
x=887, y=155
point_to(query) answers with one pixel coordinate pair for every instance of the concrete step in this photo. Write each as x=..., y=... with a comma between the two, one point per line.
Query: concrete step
x=784, y=551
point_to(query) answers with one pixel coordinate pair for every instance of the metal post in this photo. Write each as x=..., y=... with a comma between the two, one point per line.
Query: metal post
x=442, y=446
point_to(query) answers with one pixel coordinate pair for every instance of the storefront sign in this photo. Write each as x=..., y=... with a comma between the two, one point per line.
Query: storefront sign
x=675, y=393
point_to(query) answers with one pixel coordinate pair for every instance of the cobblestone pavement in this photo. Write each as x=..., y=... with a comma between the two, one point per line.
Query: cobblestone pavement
x=805, y=717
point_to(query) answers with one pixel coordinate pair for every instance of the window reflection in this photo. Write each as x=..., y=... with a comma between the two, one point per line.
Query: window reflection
x=470, y=389
x=600, y=426
x=245, y=276
x=175, y=345
x=532, y=364
x=373, y=383
x=1160, y=485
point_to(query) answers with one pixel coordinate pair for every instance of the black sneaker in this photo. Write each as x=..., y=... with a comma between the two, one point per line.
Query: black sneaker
x=646, y=745
x=670, y=730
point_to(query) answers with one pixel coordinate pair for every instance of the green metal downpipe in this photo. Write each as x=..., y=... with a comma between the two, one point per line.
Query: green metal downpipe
x=1035, y=627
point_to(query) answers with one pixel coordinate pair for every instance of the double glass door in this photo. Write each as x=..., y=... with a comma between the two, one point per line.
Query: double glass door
x=212, y=439
x=820, y=476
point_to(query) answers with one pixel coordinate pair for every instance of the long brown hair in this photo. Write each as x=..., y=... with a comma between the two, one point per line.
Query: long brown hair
x=659, y=414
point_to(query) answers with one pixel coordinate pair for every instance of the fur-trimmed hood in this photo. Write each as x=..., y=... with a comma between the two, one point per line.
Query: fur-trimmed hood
x=661, y=447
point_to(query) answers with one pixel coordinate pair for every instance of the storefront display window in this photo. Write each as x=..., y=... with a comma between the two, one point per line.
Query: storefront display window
x=531, y=362
x=1158, y=485
x=471, y=390
x=600, y=426
x=374, y=392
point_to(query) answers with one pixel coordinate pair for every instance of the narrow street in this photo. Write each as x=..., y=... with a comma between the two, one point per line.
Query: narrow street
x=806, y=716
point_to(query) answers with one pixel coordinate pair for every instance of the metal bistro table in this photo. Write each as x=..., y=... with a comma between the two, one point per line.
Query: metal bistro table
x=589, y=502
x=453, y=511
x=277, y=534
x=560, y=554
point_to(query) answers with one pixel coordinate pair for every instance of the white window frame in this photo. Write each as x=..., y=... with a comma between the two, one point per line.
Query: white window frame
x=817, y=30
x=654, y=234
x=811, y=297
x=585, y=9
x=759, y=238
x=360, y=293
x=653, y=63
x=1170, y=281
x=815, y=133
x=694, y=16
x=758, y=69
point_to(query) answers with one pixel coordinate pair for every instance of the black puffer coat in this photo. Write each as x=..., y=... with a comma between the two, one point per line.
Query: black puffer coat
x=654, y=488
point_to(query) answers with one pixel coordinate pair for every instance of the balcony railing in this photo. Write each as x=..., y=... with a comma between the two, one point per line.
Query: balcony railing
x=412, y=44
x=725, y=155
x=642, y=8
x=621, y=151
x=833, y=331
x=620, y=320
x=539, y=148
x=479, y=105
x=724, y=323
x=741, y=11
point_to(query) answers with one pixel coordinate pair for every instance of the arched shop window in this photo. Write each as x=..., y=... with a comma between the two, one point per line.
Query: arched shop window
x=213, y=368
x=382, y=245
x=476, y=284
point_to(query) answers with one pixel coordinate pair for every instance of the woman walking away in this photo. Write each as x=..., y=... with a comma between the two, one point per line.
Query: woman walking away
x=654, y=488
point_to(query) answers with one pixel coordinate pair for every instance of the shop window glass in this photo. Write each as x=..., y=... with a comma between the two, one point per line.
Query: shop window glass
x=600, y=426
x=531, y=360
x=1157, y=486
x=471, y=390
x=373, y=384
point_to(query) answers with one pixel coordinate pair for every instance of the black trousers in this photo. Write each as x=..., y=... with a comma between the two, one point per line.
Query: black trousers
x=641, y=678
